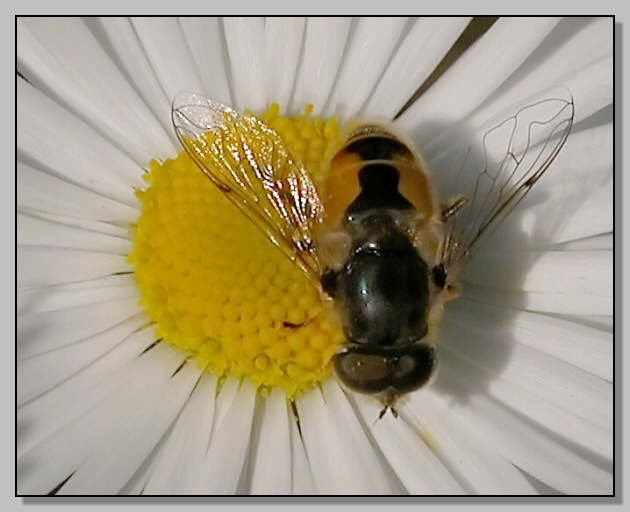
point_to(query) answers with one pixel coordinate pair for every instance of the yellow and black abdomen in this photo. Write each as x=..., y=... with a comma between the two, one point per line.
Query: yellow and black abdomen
x=375, y=156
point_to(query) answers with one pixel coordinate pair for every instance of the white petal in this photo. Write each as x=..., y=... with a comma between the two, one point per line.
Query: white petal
x=592, y=87
x=585, y=347
x=60, y=142
x=62, y=403
x=589, y=437
x=168, y=53
x=103, y=229
x=283, y=46
x=544, y=377
x=63, y=59
x=35, y=300
x=544, y=302
x=38, y=191
x=592, y=217
x=120, y=39
x=477, y=464
x=33, y=231
x=420, y=52
x=528, y=447
x=476, y=74
x=245, y=39
x=97, y=405
x=132, y=436
x=136, y=484
x=561, y=417
x=182, y=452
x=45, y=266
x=41, y=332
x=573, y=277
x=575, y=45
x=41, y=372
x=302, y=477
x=324, y=46
x=603, y=242
x=207, y=46
x=601, y=323
x=364, y=62
x=332, y=432
x=225, y=456
x=271, y=468
x=411, y=459
x=227, y=393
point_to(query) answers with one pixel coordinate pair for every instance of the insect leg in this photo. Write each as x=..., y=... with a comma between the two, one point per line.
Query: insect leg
x=453, y=206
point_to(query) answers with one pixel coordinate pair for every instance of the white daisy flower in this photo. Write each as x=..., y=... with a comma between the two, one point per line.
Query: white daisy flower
x=122, y=387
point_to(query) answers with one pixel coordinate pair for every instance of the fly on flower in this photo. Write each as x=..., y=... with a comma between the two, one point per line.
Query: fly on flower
x=375, y=240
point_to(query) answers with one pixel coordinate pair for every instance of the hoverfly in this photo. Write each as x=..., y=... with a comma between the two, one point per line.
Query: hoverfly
x=376, y=241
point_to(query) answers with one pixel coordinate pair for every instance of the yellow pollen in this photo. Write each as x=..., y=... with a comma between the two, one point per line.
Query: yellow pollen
x=217, y=288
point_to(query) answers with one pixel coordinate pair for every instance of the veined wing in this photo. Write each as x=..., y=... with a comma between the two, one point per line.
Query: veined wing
x=499, y=168
x=250, y=164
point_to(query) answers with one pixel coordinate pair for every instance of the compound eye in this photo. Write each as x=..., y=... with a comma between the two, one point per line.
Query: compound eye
x=365, y=373
x=372, y=370
x=414, y=369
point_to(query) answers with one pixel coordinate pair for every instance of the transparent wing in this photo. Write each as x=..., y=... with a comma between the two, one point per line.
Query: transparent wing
x=499, y=168
x=249, y=163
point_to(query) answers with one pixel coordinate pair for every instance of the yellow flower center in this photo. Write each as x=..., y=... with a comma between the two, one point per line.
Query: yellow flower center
x=217, y=288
